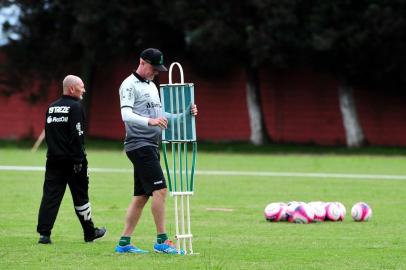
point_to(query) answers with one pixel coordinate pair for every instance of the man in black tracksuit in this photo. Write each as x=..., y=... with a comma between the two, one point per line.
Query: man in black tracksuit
x=66, y=162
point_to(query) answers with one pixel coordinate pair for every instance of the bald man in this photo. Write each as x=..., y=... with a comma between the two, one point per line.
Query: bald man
x=66, y=162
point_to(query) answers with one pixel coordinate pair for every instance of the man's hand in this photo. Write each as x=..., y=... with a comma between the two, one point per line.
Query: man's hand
x=193, y=110
x=77, y=168
x=161, y=122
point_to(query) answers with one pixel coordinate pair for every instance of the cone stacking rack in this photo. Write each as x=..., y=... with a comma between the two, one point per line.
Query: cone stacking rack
x=179, y=150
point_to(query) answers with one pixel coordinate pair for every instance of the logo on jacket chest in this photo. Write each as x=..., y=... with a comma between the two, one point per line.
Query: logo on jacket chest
x=62, y=119
x=59, y=109
x=152, y=104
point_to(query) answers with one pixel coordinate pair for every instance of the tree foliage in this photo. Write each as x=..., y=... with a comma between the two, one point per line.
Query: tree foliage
x=60, y=36
x=360, y=41
x=222, y=34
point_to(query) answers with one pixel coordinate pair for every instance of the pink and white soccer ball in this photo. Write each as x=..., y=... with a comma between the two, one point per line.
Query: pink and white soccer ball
x=284, y=215
x=290, y=209
x=333, y=211
x=343, y=211
x=303, y=213
x=275, y=212
x=319, y=211
x=361, y=212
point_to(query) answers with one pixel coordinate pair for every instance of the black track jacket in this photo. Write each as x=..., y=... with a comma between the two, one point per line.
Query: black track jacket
x=64, y=130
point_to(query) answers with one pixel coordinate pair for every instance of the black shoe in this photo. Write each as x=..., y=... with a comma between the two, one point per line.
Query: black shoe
x=43, y=239
x=98, y=233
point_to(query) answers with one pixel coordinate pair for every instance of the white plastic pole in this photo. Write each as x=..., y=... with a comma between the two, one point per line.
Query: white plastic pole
x=188, y=223
x=177, y=223
x=182, y=220
x=180, y=71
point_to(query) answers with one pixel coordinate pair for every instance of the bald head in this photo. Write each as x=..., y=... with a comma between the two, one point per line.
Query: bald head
x=73, y=86
x=70, y=81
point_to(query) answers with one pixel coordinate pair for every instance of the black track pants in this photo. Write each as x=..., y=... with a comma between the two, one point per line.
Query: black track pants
x=57, y=176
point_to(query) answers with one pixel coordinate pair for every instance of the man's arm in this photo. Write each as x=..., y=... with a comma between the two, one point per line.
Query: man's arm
x=128, y=95
x=76, y=127
x=129, y=116
x=175, y=116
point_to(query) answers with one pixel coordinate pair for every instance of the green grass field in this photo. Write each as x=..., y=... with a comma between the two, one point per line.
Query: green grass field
x=240, y=239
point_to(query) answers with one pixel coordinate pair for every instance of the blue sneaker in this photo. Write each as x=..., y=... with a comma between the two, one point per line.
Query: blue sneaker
x=167, y=247
x=129, y=249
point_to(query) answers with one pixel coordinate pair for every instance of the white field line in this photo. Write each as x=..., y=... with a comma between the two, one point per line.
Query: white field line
x=220, y=209
x=234, y=173
x=42, y=169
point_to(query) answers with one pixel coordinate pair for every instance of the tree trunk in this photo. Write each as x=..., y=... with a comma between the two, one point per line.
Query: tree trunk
x=353, y=130
x=258, y=130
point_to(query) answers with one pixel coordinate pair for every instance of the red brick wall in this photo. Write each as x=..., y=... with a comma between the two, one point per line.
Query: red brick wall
x=105, y=117
x=383, y=117
x=222, y=108
x=302, y=107
x=20, y=119
x=299, y=107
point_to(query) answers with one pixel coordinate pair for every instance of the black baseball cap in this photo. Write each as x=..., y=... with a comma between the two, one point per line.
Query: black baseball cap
x=155, y=58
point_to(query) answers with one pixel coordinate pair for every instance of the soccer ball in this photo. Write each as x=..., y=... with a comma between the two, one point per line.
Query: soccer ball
x=343, y=211
x=333, y=212
x=290, y=209
x=284, y=215
x=302, y=214
x=275, y=212
x=361, y=212
x=319, y=211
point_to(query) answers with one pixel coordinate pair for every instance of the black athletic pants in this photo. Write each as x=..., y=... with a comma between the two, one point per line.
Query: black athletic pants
x=57, y=176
